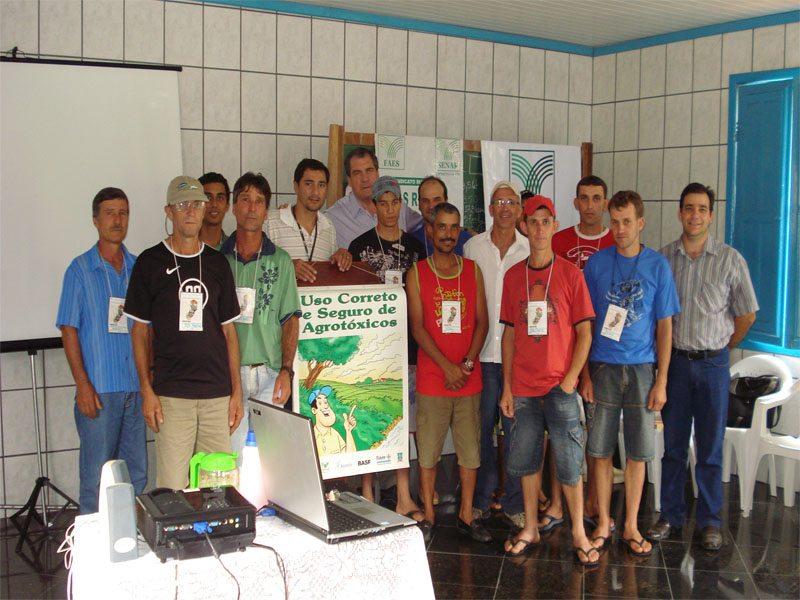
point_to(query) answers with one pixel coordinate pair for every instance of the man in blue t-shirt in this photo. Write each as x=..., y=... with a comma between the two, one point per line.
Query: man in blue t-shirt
x=634, y=298
x=433, y=191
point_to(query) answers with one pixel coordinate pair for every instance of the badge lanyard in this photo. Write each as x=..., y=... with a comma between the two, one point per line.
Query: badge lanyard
x=245, y=295
x=537, y=309
x=451, y=322
x=303, y=237
x=116, y=306
x=190, y=309
x=616, y=316
x=391, y=274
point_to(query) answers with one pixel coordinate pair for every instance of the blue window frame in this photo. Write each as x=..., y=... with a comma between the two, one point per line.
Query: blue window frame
x=763, y=215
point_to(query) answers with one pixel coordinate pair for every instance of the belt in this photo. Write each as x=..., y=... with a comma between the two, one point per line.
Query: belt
x=697, y=354
x=256, y=365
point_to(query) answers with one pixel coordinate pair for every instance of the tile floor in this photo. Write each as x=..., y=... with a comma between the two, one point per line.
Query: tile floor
x=760, y=559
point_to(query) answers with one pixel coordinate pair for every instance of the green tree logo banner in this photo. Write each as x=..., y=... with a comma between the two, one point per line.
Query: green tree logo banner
x=532, y=170
x=393, y=151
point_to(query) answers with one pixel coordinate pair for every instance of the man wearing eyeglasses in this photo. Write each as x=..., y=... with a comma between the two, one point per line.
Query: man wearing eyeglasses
x=185, y=290
x=496, y=251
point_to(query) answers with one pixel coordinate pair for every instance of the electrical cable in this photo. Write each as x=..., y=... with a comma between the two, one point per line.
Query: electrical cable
x=281, y=567
x=216, y=555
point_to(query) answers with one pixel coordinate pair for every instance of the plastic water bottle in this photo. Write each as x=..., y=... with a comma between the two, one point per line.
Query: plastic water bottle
x=251, y=482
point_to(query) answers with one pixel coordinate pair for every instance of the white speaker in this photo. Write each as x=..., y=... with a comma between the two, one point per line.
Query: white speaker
x=117, y=512
x=122, y=542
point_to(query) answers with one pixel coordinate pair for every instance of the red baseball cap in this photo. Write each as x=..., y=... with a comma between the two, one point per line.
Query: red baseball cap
x=537, y=202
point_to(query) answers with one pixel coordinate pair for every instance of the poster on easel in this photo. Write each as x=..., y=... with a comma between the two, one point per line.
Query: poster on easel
x=543, y=169
x=352, y=376
x=410, y=159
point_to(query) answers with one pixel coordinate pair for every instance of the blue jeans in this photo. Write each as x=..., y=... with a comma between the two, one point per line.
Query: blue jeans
x=560, y=413
x=118, y=431
x=492, y=375
x=626, y=389
x=696, y=390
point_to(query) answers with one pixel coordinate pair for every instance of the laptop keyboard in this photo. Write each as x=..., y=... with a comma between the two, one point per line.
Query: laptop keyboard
x=342, y=521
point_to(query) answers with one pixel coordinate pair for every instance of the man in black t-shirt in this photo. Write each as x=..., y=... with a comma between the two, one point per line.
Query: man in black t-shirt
x=391, y=252
x=185, y=290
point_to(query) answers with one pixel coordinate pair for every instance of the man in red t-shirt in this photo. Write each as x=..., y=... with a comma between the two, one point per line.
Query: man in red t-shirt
x=449, y=321
x=579, y=242
x=547, y=312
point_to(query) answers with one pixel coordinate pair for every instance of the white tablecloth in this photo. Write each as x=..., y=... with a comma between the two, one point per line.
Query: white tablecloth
x=393, y=565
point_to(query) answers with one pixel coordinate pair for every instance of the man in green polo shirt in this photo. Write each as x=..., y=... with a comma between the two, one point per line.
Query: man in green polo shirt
x=267, y=292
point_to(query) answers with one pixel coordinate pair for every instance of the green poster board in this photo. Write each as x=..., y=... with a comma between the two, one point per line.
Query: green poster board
x=473, y=186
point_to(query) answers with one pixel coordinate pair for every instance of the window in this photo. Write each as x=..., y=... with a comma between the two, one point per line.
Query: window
x=763, y=217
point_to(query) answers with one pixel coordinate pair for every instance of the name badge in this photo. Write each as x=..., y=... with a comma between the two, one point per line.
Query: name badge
x=190, y=315
x=537, y=317
x=247, y=304
x=451, y=316
x=393, y=277
x=614, y=322
x=117, y=322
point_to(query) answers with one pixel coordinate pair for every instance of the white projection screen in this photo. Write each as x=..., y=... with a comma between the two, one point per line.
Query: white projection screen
x=66, y=131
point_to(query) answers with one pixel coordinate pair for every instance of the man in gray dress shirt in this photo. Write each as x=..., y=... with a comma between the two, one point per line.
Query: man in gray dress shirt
x=718, y=306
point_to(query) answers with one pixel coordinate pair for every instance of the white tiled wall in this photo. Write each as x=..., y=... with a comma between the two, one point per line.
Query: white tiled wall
x=670, y=103
x=259, y=90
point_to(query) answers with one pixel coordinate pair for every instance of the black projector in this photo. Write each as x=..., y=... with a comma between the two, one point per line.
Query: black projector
x=173, y=523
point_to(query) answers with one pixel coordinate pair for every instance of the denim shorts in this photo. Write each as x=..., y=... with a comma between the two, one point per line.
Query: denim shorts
x=622, y=388
x=560, y=413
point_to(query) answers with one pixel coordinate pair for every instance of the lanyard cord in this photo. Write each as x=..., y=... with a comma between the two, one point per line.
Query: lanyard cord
x=303, y=237
x=616, y=268
x=105, y=270
x=236, y=265
x=460, y=264
x=380, y=243
x=549, y=275
x=177, y=270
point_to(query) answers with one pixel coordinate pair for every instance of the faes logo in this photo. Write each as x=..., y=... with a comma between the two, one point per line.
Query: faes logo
x=391, y=152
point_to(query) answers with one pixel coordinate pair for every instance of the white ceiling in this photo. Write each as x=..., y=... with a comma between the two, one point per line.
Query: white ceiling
x=585, y=22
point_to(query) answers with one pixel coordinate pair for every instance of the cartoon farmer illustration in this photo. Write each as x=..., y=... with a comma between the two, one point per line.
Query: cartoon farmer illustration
x=329, y=441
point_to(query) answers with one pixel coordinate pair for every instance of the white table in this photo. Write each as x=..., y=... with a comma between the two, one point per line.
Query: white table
x=393, y=565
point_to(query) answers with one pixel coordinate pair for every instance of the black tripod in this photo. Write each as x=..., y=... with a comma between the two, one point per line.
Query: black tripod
x=42, y=482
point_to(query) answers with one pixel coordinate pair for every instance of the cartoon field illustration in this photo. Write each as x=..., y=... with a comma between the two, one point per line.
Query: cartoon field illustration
x=352, y=387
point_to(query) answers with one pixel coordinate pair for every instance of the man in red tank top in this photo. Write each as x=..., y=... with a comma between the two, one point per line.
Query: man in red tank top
x=449, y=321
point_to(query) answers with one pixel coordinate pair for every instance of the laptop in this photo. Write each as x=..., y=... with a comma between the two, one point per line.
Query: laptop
x=293, y=481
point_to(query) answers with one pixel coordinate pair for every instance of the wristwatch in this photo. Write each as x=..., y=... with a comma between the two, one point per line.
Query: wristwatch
x=288, y=370
x=469, y=365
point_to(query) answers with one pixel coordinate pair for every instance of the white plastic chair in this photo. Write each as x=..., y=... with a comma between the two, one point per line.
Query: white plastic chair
x=750, y=445
x=654, y=466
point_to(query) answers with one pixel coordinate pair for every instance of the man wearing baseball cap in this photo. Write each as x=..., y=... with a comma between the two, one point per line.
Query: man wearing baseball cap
x=547, y=314
x=189, y=376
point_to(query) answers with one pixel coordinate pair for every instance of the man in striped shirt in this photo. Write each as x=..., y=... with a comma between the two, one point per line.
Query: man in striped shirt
x=718, y=307
x=97, y=342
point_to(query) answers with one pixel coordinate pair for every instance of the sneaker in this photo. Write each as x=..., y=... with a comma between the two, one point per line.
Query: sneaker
x=481, y=515
x=517, y=520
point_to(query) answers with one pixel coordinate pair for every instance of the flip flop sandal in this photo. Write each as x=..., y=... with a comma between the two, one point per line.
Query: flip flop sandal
x=525, y=548
x=589, y=562
x=600, y=537
x=629, y=542
x=552, y=523
x=592, y=522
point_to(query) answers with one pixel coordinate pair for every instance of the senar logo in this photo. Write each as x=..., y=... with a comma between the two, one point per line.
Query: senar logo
x=533, y=170
x=448, y=155
x=391, y=151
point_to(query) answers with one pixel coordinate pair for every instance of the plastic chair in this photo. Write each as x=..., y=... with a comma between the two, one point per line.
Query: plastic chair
x=751, y=444
x=654, y=466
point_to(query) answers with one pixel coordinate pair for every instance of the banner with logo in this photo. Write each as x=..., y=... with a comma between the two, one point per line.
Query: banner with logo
x=551, y=171
x=352, y=376
x=411, y=159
